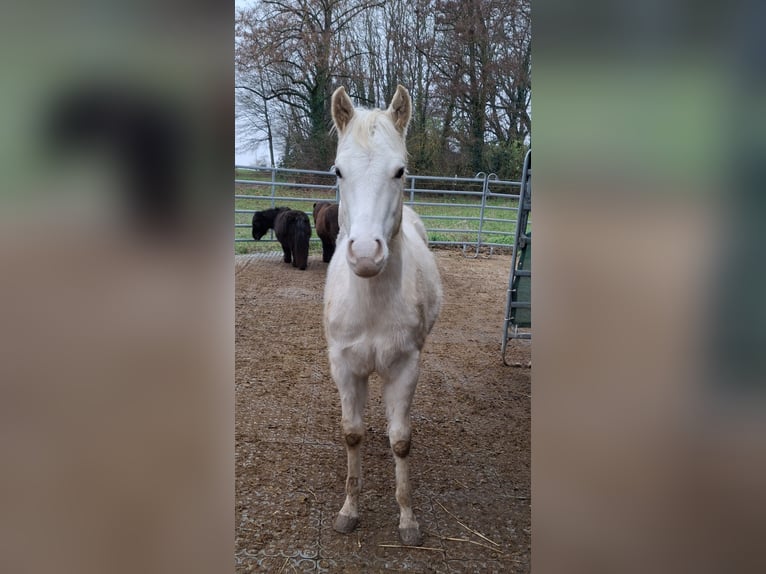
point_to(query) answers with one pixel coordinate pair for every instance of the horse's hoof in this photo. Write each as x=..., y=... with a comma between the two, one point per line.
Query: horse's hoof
x=411, y=536
x=345, y=524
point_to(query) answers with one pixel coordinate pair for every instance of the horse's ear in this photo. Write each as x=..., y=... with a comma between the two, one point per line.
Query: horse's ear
x=400, y=109
x=342, y=109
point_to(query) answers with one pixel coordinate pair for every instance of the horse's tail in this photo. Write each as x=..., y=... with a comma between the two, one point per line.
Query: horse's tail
x=302, y=234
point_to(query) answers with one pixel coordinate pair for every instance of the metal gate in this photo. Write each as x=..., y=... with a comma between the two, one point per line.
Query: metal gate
x=518, y=307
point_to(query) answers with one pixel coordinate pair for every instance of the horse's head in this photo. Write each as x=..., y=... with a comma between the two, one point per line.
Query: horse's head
x=260, y=225
x=370, y=165
x=263, y=221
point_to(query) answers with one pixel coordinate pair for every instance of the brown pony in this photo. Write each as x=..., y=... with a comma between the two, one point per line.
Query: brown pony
x=326, y=224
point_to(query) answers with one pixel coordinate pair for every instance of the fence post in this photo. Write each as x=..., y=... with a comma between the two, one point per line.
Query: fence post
x=335, y=186
x=273, y=194
x=273, y=184
x=484, y=190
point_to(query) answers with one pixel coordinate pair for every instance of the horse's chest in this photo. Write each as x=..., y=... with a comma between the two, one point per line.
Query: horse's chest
x=377, y=330
x=380, y=318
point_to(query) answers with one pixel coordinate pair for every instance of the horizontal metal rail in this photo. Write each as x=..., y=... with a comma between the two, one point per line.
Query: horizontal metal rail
x=485, y=201
x=283, y=184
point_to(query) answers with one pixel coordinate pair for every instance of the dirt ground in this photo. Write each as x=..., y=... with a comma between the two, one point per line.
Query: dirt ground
x=470, y=459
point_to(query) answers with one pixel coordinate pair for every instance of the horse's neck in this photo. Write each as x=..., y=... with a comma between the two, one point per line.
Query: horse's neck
x=274, y=216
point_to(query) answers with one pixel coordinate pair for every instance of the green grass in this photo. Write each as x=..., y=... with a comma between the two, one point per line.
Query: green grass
x=466, y=219
x=460, y=213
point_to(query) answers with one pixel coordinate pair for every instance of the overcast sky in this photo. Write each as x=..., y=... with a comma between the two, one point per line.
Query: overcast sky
x=242, y=157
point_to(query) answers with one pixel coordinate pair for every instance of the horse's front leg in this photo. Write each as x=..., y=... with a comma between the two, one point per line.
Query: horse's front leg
x=353, y=396
x=400, y=381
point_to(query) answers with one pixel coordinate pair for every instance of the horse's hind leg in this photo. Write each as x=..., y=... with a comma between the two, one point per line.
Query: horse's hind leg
x=398, y=390
x=353, y=396
x=293, y=249
x=286, y=249
x=327, y=250
x=300, y=253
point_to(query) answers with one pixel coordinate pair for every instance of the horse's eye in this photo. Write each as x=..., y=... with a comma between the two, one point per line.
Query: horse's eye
x=338, y=173
x=399, y=173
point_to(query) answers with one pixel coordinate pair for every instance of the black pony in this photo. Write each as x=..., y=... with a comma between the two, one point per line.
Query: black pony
x=326, y=224
x=292, y=228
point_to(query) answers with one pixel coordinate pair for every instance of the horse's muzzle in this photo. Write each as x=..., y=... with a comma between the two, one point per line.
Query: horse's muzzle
x=367, y=256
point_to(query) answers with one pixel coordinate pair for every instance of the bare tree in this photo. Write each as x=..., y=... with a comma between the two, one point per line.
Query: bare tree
x=254, y=116
x=467, y=64
x=510, y=110
x=478, y=74
x=297, y=47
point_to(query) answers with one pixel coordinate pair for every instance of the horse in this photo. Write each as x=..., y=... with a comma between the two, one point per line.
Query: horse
x=293, y=231
x=382, y=292
x=326, y=224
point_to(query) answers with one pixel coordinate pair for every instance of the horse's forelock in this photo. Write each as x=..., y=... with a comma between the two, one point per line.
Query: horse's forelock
x=365, y=123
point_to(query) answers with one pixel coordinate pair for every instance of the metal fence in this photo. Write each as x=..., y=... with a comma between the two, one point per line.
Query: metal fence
x=470, y=212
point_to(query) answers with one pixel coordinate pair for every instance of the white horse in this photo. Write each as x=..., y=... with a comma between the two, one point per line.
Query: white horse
x=383, y=291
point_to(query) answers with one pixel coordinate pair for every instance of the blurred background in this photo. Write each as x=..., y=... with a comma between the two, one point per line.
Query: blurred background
x=116, y=270
x=116, y=316
x=648, y=364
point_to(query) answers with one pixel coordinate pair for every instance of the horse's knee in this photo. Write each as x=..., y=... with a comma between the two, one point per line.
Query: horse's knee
x=401, y=448
x=352, y=438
